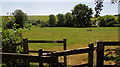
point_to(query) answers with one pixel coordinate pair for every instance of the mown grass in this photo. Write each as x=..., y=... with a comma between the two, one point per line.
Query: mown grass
x=76, y=37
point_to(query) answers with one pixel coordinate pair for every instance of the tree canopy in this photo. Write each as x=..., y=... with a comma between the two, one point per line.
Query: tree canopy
x=20, y=17
x=82, y=15
x=61, y=19
x=52, y=20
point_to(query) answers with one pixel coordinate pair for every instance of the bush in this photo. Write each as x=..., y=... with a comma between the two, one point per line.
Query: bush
x=11, y=37
x=8, y=21
x=44, y=24
x=102, y=22
x=107, y=20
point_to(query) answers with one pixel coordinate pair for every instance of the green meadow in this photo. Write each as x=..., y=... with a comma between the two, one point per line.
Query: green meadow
x=42, y=18
x=76, y=37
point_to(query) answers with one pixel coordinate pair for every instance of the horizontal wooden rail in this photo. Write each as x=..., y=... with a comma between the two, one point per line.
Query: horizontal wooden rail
x=44, y=41
x=70, y=52
x=35, y=51
x=81, y=65
x=43, y=59
x=114, y=43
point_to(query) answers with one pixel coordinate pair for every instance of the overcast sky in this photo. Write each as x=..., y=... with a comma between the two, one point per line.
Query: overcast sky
x=46, y=7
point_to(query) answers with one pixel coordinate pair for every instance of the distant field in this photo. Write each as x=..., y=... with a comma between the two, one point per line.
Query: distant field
x=42, y=18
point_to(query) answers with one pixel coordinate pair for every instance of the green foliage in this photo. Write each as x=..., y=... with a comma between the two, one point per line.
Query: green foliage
x=52, y=20
x=102, y=22
x=82, y=15
x=44, y=24
x=10, y=38
x=112, y=54
x=69, y=20
x=107, y=20
x=8, y=21
x=118, y=18
x=20, y=17
x=61, y=20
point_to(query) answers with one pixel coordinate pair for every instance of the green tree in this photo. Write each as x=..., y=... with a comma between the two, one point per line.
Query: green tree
x=118, y=18
x=107, y=20
x=61, y=20
x=102, y=22
x=20, y=17
x=69, y=20
x=52, y=20
x=110, y=20
x=82, y=15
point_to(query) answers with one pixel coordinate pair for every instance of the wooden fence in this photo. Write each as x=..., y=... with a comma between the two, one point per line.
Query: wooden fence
x=88, y=50
x=51, y=58
x=26, y=41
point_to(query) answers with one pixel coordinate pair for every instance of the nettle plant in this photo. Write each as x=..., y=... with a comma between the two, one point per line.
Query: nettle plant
x=11, y=37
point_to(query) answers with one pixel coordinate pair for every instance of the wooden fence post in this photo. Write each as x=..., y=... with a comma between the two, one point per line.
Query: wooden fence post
x=14, y=63
x=40, y=54
x=25, y=50
x=100, y=54
x=65, y=48
x=90, y=55
x=52, y=61
x=25, y=46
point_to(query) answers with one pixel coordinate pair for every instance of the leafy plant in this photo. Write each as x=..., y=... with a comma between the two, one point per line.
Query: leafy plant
x=113, y=54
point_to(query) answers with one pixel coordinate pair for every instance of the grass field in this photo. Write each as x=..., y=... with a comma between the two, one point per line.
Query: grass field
x=76, y=38
x=42, y=18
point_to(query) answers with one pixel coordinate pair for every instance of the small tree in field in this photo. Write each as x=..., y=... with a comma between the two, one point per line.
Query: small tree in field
x=69, y=20
x=61, y=20
x=82, y=15
x=20, y=17
x=52, y=20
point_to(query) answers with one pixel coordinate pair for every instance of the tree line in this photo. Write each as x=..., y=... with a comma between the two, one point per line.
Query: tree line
x=80, y=16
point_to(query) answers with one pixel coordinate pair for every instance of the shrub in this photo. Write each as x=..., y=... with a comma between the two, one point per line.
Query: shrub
x=107, y=20
x=102, y=22
x=44, y=24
